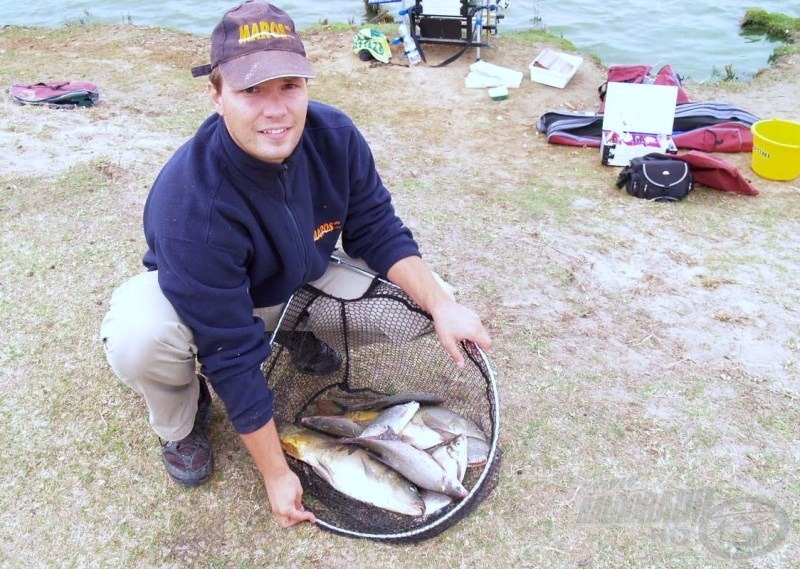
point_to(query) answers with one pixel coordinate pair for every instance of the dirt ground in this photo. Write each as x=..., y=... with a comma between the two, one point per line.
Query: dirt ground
x=631, y=340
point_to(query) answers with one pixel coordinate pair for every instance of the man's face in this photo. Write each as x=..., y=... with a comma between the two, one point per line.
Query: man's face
x=267, y=120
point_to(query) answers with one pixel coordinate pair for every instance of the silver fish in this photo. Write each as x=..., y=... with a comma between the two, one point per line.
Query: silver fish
x=434, y=501
x=418, y=434
x=477, y=451
x=335, y=425
x=452, y=456
x=352, y=471
x=394, y=418
x=442, y=419
x=415, y=464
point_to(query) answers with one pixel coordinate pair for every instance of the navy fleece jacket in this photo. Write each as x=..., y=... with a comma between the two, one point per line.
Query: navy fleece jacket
x=228, y=233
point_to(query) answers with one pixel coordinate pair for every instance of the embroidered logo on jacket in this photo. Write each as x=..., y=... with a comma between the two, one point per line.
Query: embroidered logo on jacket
x=326, y=228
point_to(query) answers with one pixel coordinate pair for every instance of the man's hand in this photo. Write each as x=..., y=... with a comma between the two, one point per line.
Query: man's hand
x=455, y=322
x=285, y=498
x=283, y=487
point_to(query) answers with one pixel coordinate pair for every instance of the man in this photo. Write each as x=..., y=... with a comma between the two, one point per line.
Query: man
x=244, y=213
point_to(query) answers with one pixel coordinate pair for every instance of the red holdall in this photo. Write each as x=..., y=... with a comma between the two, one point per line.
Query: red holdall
x=715, y=172
x=722, y=137
x=641, y=74
x=57, y=94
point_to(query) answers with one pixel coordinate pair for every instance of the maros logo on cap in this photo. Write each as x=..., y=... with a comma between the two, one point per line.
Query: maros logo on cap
x=263, y=31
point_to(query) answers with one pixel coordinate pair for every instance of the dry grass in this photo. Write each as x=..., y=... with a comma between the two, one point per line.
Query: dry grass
x=647, y=354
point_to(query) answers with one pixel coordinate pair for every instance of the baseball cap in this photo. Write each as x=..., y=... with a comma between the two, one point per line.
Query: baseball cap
x=255, y=42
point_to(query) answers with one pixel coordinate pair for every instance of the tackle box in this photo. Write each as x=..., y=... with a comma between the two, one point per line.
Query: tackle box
x=637, y=120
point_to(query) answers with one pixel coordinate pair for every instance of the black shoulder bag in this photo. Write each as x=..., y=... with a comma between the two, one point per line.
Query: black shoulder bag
x=653, y=177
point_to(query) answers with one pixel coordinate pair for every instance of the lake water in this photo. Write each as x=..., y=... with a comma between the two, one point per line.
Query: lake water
x=698, y=38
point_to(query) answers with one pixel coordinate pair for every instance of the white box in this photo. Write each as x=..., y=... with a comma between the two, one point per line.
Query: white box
x=637, y=120
x=554, y=68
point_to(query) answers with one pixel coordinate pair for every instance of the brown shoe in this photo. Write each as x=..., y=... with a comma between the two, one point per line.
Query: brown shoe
x=189, y=461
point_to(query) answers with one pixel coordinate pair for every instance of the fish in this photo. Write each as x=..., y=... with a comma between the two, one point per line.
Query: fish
x=416, y=465
x=433, y=425
x=359, y=404
x=443, y=419
x=362, y=416
x=477, y=452
x=322, y=407
x=421, y=436
x=335, y=425
x=434, y=501
x=394, y=418
x=452, y=456
x=352, y=471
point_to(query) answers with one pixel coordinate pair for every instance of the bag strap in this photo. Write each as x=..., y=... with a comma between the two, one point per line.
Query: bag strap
x=53, y=86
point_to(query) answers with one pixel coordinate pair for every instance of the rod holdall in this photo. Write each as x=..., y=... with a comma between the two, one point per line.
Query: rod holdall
x=57, y=94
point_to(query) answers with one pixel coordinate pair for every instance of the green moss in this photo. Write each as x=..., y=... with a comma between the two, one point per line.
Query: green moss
x=774, y=24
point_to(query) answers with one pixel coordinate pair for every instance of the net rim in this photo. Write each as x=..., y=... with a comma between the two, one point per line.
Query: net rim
x=440, y=522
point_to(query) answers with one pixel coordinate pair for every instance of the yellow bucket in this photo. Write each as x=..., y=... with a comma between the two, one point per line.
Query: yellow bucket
x=776, y=149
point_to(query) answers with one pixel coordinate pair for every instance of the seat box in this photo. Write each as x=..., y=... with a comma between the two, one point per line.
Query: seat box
x=638, y=120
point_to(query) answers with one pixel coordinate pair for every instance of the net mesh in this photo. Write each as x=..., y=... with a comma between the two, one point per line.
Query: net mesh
x=388, y=347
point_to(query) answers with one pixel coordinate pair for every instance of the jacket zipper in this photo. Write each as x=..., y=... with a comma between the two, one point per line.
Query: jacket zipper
x=303, y=253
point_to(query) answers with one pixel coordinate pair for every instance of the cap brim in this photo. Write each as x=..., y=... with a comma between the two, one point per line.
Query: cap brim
x=257, y=67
